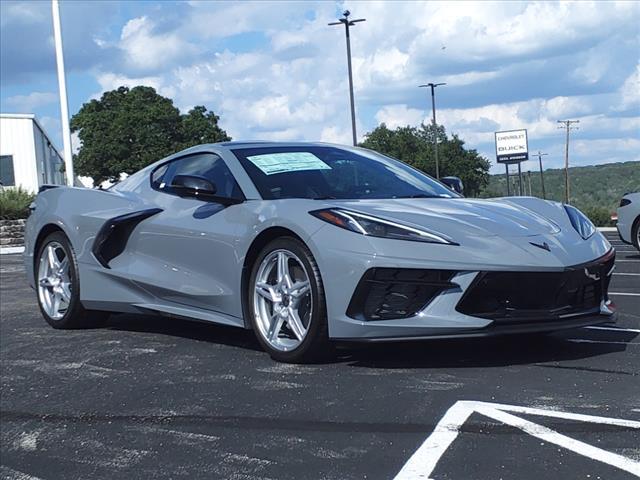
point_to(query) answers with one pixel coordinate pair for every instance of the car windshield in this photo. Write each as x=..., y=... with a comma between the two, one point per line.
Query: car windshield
x=334, y=173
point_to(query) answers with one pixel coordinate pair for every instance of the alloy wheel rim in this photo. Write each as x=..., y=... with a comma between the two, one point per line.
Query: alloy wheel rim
x=282, y=300
x=54, y=282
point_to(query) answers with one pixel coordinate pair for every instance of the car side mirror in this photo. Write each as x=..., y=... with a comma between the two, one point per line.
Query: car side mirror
x=192, y=186
x=454, y=183
x=199, y=187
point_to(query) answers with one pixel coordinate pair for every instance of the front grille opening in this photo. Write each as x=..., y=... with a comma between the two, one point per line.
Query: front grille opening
x=396, y=293
x=537, y=296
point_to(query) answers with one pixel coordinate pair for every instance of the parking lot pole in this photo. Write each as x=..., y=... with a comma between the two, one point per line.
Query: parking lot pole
x=350, y=23
x=435, y=125
x=540, y=155
x=62, y=86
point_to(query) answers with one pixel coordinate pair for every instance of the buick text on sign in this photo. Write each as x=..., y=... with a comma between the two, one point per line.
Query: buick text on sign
x=512, y=146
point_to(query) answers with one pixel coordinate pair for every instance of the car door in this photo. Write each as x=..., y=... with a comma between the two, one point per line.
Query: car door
x=186, y=254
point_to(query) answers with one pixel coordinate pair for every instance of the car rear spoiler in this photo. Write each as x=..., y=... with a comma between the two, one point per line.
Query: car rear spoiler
x=47, y=187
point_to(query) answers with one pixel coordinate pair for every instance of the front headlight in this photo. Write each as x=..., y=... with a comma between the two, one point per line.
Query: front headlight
x=580, y=222
x=378, y=227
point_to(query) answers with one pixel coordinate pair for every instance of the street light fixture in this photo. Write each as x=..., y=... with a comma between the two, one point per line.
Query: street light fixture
x=350, y=23
x=435, y=130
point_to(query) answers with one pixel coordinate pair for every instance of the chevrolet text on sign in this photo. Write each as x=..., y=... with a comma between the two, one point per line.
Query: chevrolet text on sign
x=512, y=146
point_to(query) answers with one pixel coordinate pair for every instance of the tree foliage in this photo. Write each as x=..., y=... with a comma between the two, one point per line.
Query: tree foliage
x=414, y=146
x=128, y=129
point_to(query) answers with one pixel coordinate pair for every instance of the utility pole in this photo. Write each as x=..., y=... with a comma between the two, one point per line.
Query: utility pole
x=62, y=85
x=540, y=155
x=435, y=129
x=350, y=23
x=529, y=178
x=566, y=124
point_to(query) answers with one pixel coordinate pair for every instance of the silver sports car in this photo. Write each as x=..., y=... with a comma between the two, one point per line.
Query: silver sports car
x=629, y=219
x=308, y=243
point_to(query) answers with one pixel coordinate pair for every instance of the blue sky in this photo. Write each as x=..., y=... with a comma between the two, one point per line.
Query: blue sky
x=275, y=70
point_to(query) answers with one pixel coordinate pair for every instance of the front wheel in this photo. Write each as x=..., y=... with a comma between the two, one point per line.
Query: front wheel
x=287, y=304
x=635, y=234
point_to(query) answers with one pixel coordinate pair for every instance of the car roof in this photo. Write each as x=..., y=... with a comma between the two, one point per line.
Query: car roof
x=263, y=143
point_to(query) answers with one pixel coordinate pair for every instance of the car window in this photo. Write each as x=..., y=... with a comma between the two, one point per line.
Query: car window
x=331, y=172
x=206, y=165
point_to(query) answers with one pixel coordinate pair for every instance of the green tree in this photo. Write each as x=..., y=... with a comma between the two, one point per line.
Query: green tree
x=414, y=146
x=127, y=129
x=200, y=126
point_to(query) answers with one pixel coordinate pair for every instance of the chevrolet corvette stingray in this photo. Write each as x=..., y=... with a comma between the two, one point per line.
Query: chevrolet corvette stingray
x=309, y=243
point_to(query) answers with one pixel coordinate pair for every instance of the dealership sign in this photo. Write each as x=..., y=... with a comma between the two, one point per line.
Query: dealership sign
x=512, y=146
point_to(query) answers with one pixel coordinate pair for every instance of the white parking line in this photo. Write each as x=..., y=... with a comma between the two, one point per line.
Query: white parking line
x=625, y=294
x=423, y=462
x=615, y=329
x=628, y=274
x=628, y=261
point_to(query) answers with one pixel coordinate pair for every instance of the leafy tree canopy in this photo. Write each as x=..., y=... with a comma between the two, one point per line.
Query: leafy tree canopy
x=414, y=146
x=127, y=129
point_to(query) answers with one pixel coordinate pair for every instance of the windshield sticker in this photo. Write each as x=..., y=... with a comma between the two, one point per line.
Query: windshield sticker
x=272, y=163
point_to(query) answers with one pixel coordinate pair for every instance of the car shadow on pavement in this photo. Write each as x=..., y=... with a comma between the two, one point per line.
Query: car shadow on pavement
x=461, y=353
x=484, y=352
x=190, y=329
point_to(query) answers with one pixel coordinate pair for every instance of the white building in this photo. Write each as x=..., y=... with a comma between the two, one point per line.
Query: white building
x=28, y=158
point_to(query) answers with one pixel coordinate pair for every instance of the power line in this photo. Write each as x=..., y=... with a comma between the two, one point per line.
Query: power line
x=350, y=23
x=566, y=124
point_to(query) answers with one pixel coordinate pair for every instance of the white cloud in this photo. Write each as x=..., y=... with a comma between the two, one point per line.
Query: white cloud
x=286, y=79
x=395, y=116
x=31, y=102
x=630, y=90
x=111, y=81
x=147, y=50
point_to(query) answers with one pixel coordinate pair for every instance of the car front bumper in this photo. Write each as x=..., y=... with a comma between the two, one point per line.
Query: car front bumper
x=343, y=269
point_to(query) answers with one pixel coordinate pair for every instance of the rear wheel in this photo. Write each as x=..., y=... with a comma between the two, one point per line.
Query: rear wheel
x=58, y=286
x=287, y=304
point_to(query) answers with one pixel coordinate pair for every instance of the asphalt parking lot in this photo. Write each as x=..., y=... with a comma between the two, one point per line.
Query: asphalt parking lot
x=149, y=397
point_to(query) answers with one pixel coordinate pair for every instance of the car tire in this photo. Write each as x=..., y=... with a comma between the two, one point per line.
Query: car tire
x=635, y=234
x=282, y=305
x=61, y=285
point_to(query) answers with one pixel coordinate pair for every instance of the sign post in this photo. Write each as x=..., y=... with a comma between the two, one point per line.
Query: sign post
x=512, y=146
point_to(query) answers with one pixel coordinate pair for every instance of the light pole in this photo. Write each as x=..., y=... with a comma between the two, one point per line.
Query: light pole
x=350, y=23
x=567, y=125
x=540, y=155
x=62, y=85
x=435, y=130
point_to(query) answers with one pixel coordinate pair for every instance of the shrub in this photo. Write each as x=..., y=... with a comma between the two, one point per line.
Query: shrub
x=600, y=216
x=14, y=203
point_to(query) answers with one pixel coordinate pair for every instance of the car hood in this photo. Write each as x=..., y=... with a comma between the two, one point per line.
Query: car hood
x=459, y=216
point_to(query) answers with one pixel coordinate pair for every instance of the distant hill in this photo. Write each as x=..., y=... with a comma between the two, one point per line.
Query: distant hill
x=596, y=190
